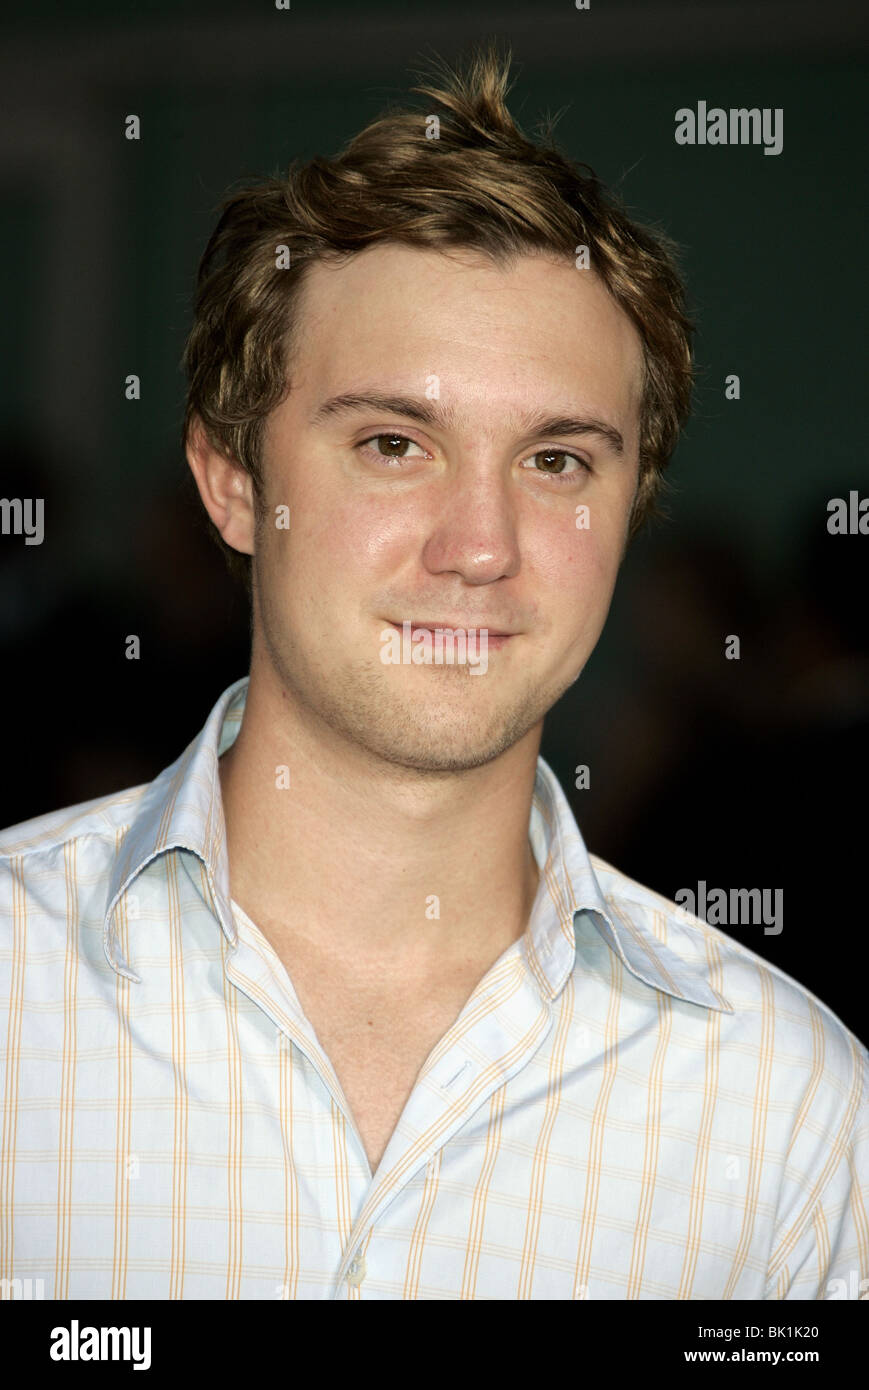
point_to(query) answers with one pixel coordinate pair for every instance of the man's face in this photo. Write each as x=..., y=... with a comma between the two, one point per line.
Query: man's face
x=466, y=518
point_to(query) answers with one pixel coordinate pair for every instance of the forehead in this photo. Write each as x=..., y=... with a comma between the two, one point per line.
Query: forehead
x=491, y=334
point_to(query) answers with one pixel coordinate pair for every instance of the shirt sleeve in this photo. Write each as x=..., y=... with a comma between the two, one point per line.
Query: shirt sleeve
x=829, y=1257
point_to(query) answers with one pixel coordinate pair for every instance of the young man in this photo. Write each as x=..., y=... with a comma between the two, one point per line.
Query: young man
x=340, y=1006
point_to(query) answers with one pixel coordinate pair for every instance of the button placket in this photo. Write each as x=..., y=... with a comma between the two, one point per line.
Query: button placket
x=356, y=1269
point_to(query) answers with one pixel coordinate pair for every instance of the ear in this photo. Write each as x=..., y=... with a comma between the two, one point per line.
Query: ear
x=225, y=487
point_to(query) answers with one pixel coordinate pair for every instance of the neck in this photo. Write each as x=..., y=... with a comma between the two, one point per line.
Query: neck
x=359, y=854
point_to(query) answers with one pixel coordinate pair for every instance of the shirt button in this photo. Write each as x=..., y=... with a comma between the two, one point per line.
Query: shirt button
x=356, y=1270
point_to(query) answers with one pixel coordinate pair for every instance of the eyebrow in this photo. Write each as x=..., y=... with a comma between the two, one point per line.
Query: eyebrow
x=426, y=413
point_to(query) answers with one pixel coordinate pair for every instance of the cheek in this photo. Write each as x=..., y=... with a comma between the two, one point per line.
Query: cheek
x=575, y=581
x=349, y=531
x=335, y=543
x=578, y=565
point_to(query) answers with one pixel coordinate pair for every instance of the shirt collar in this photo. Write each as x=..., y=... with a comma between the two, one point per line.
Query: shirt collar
x=183, y=809
x=628, y=916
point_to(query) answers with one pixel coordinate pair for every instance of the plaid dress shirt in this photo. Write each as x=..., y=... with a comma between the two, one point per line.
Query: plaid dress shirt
x=631, y=1105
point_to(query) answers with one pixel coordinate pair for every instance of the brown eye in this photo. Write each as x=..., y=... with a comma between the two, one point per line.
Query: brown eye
x=391, y=444
x=551, y=457
x=555, y=463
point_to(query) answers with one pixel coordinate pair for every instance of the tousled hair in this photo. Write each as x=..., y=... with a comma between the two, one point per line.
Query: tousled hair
x=481, y=185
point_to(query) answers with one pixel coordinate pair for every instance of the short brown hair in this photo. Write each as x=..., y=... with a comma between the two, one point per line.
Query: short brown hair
x=481, y=184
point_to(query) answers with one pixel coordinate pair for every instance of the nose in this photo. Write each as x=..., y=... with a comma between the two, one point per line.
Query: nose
x=475, y=531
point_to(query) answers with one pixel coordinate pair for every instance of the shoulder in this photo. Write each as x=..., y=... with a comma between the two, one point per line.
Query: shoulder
x=775, y=1021
x=101, y=819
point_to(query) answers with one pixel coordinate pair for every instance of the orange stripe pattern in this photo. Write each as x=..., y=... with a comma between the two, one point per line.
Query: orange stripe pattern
x=631, y=1104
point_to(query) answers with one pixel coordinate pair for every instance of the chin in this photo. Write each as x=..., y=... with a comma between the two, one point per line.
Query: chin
x=448, y=743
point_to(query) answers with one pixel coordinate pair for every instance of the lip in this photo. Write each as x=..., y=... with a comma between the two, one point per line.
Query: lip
x=494, y=640
x=446, y=625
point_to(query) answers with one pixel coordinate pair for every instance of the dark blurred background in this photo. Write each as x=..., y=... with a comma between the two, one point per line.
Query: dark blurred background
x=748, y=773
